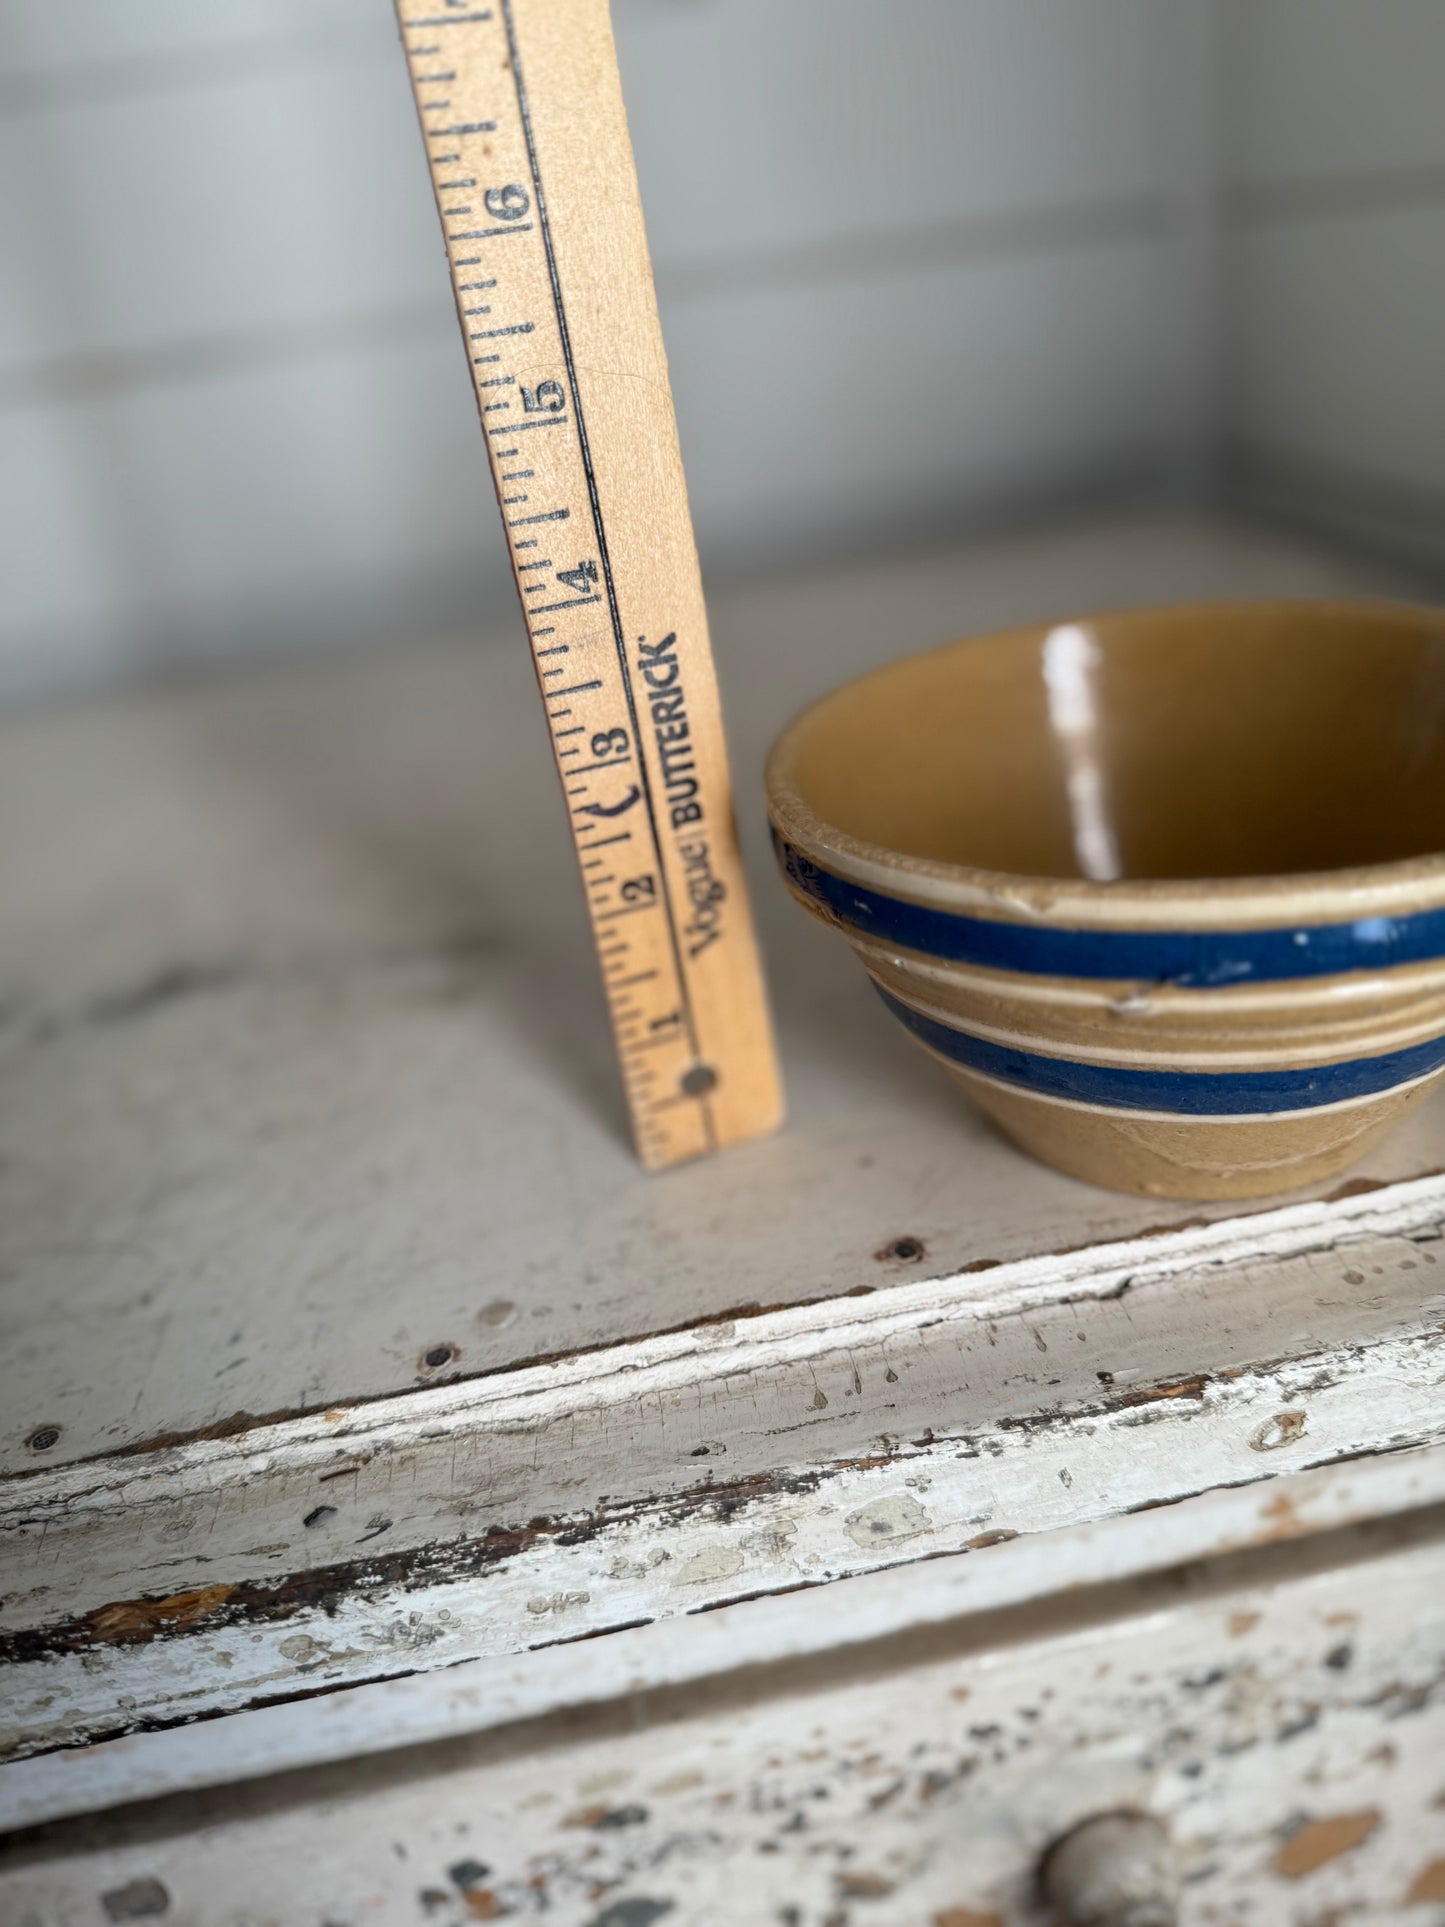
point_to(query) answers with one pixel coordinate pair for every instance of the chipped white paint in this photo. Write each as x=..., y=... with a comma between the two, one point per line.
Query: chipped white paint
x=480, y=1695
x=631, y=1424
x=946, y=1492
x=1288, y=1730
x=888, y=1522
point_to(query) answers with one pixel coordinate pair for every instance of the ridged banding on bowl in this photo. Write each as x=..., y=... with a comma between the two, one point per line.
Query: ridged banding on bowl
x=1098, y=1034
x=1185, y=1041
x=1404, y=996
x=1235, y=1119
x=1168, y=1090
x=1202, y=956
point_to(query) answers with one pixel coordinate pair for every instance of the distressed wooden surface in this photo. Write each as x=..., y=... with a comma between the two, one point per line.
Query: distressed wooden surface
x=1287, y=1725
x=653, y=1481
x=307, y=1089
x=471, y=1696
x=371, y=1375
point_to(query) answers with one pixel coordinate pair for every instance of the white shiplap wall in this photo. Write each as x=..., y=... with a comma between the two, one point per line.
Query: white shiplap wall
x=1334, y=136
x=930, y=262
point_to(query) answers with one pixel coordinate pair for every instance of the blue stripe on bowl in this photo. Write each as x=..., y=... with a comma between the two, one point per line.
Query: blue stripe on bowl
x=1189, y=1093
x=1197, y=960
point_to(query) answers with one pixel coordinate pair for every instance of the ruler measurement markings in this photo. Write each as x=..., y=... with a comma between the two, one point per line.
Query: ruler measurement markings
x=660, y=1142
x=492, y=233
x=601, y=534
x=626, y=910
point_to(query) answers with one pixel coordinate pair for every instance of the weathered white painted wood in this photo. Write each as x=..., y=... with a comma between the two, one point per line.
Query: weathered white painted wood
x=306, y=1075
x=660, y=1480
x=473, y=1696
x=710, y=1411
x=1288, y=1728
x=306, y=1079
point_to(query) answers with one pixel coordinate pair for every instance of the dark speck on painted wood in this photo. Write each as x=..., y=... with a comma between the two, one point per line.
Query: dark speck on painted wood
x=608, y=1819
x=467, y=1873
x=144, y=1899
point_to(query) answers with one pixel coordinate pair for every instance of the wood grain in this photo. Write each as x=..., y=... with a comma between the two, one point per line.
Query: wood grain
x=914, y=1781
x=521, y=110
x=585, y=1496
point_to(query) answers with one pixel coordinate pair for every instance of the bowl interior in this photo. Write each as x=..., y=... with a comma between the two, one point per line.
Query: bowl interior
x=1227, y=741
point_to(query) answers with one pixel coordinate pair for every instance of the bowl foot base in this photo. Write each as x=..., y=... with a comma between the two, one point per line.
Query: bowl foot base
x=1194, y=1158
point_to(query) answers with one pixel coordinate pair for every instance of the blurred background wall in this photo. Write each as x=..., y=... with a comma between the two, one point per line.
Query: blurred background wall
x=1332, y=147
x=926, y=267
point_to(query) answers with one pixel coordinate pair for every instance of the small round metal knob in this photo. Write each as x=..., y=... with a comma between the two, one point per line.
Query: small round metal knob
x=1113, y=1870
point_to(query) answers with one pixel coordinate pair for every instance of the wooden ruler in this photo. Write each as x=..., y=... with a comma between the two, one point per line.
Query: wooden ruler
x=521, y=109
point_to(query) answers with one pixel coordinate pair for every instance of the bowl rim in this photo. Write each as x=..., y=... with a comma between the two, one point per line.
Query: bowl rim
x=1398, y=888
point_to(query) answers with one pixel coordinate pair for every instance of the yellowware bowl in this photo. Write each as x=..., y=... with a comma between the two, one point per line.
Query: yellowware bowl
x=1164, y=891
